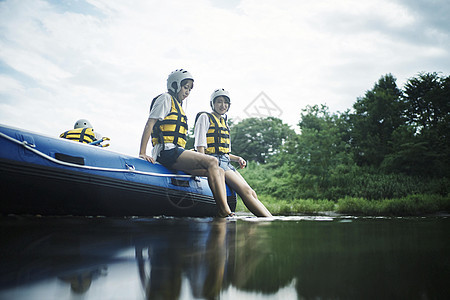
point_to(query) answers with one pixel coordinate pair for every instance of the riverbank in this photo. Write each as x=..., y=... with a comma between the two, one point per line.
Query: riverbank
x=412, y=205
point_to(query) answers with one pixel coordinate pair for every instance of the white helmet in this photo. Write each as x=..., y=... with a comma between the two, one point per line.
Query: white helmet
x=217, y=93
x=175, y=79
x=82, y=123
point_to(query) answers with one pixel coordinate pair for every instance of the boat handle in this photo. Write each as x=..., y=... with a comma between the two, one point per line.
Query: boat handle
x=130, y=167
x=26, y=143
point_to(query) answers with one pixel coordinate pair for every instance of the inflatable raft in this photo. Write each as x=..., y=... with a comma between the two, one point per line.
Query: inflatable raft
x=53, y=176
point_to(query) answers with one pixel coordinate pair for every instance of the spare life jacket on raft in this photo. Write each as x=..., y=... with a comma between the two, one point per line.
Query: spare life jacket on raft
x=82, y=135
x=217, y=136
x=173, y=128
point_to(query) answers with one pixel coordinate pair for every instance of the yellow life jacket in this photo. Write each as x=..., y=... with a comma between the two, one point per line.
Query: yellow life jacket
x=217, y=136
x=82, y=135
x=173, y=128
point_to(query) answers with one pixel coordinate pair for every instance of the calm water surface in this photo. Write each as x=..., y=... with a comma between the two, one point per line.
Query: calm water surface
x=241, y=258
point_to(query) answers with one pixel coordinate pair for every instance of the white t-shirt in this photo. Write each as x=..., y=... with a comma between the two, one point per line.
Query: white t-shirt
x=161, y=108
x=200, y=131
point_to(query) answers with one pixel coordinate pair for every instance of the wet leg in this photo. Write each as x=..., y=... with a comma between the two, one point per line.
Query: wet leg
x=204, y=165
x=248, y=195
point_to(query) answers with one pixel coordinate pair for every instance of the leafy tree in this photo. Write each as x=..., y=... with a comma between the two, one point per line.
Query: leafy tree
x=321, y=146
x=377, y=115
x=421, y=145
x=427, y=99
x=257, y=139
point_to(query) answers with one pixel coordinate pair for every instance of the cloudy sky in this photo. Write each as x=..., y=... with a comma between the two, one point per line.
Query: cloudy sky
x=104, y=60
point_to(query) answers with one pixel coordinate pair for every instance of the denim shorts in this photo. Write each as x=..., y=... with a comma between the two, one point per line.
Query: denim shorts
x=168, y=157
x=224, y=162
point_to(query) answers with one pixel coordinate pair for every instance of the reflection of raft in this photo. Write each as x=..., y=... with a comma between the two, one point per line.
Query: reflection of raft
x=53, y=176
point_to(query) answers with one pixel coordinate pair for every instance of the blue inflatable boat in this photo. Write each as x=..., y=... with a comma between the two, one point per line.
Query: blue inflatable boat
x=54, y=176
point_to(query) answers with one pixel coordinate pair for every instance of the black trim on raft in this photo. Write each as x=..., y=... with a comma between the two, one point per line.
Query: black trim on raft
x=179, y=182
x=65, y=192
x=70, y=159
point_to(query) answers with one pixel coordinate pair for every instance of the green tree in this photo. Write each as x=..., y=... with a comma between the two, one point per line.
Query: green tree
x=377, y=115
x=257, y=139
x=421, y=145
x=427, y=99
x=322, y=145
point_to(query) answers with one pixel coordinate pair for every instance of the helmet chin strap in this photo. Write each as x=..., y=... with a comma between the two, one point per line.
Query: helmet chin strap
x=175, y=95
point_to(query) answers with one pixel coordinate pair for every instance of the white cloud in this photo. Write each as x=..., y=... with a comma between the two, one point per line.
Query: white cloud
x=105, y=60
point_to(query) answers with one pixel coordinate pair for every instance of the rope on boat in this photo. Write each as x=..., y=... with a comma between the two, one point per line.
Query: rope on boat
x=130, y=169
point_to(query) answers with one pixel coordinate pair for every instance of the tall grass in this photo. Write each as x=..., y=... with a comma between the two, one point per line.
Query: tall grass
x=412, y=205
x=279, y=182
x=359, y=192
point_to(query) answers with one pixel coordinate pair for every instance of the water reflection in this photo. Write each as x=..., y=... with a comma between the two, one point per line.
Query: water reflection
x=199, y=256
x=80, y=281
x=167, y=258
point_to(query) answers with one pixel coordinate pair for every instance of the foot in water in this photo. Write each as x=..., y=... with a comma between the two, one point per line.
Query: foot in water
x=230, y=215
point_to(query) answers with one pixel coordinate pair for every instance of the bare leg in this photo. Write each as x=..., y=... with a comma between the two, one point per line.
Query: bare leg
x=204, y=165
x=248, y=195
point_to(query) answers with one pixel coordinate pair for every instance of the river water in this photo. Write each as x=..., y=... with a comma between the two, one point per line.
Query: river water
x=302, y=257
